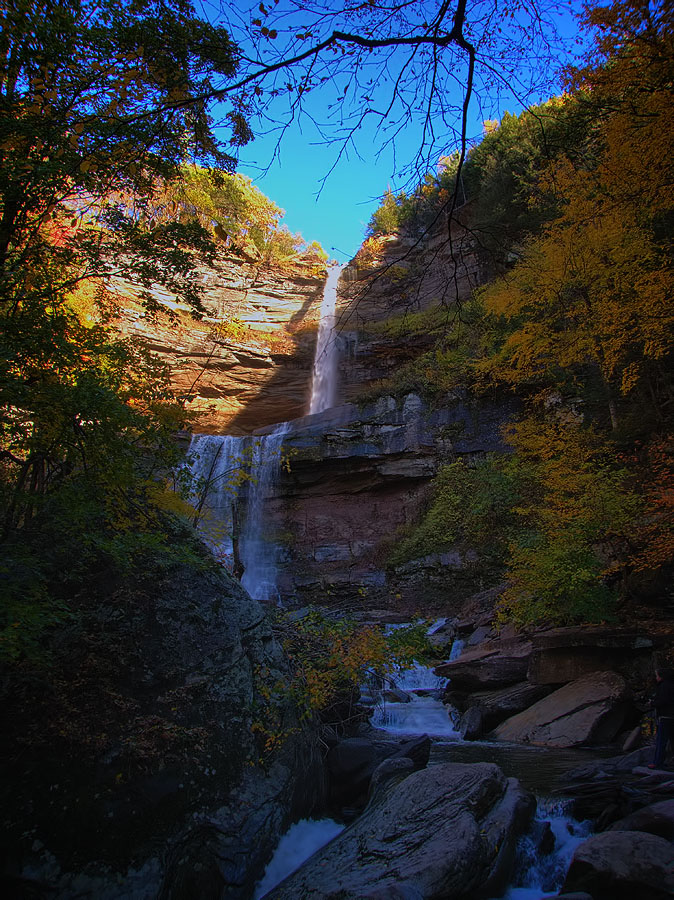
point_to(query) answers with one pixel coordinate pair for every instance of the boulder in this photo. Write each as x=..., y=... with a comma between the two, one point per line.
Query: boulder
x=589, y=711
x=623, y=865
x=447, y=831
x=470, y=724
x=479, y=636
x=658, y=818
x=500, y=704
x=389, y=772
x=396, y=695
x=352, y=762
x=497, y=664
x=441, y=637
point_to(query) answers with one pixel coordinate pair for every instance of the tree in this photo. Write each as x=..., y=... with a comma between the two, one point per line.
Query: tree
x=594, y=289
x=576, y=512
x=394, y=64
x=99, y=105
x=99, y=102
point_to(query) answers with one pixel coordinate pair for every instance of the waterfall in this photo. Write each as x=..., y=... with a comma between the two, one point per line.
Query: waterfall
x=324, y=379
x=216, y=463
x=238, y=474
x=231, y=472
x=258, y=550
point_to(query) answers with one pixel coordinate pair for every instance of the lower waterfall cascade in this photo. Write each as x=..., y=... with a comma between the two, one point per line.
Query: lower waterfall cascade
x=236, y=476
x=235, y=479
x=218, y=464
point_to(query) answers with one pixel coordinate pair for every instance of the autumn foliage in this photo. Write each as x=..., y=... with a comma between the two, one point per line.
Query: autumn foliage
x=572, y=205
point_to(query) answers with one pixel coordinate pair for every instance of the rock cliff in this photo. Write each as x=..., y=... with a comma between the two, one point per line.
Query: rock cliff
x=395, y=278
x=356, y=476
x=133, y=767
x=248, y=362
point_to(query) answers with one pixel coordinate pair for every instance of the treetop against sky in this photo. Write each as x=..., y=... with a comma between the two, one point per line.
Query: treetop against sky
x=346, y=99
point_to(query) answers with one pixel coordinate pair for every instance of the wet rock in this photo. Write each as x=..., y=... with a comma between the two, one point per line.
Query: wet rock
x=658, y=818
x=623, y=865
x=441, y=637
x=470, y=724
x=353, y=761
x=395, y=695
x=589, y=711
x=576, y=895
x=447, y=831
x=611, y=765
x=495, y=665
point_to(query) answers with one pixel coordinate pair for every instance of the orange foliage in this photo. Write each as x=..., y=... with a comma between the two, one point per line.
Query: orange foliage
x=655, y=534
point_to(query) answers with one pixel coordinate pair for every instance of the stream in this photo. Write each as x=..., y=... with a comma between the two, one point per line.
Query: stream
x=535, y=876
x=406, y=704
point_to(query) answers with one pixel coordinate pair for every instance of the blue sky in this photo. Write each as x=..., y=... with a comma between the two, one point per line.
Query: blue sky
x=336, y=212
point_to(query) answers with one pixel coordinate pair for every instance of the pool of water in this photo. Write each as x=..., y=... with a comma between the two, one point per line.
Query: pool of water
x=538, y=768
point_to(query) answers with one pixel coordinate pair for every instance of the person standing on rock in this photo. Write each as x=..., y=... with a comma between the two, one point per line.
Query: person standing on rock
x=664, y=713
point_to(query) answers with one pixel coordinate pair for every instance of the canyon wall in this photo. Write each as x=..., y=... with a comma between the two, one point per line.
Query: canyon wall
x=356, y=477
x=359, y=473
x=248, y=362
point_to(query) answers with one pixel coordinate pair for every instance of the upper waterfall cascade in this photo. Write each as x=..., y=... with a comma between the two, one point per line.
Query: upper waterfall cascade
x=233, y=472
x=324, y=380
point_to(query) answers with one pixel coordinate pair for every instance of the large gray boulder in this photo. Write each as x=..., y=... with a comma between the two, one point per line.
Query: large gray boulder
x=591, y=710
x=489, y=666
x=447, y=831
x=656, y=818
x=623, y=865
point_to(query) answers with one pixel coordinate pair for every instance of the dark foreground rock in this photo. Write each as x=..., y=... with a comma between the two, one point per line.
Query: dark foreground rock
x=352, y=762
x=591, y=710
x=139, y=750
x=623, y=865
x=657, y=818
x=448, y=831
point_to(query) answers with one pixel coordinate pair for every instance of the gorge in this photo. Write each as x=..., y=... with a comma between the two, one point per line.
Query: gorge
x=377, y=553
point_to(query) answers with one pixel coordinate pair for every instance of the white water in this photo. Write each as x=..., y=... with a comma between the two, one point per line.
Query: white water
x=424, y=713
x=259, y=552
x=217, y=463
x=300, y=842
x=537, y=876
x=324, y=380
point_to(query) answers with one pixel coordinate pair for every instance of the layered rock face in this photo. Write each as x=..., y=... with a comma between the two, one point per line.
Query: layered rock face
x=357, y=475
x=248, y=362
x=397, y=277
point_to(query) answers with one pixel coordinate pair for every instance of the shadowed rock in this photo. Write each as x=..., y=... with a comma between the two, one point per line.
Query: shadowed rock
x=591, y=710
x=447, y=831
x=495, y=665
x=623, y=865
